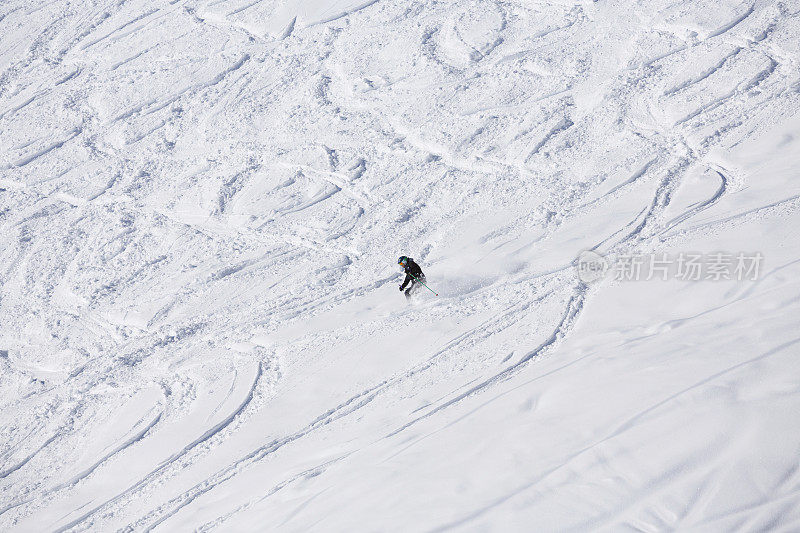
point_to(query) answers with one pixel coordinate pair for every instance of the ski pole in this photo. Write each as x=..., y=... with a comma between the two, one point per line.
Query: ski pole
x=419, y=280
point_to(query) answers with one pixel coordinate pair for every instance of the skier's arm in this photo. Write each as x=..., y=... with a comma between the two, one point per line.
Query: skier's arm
x=406, y=281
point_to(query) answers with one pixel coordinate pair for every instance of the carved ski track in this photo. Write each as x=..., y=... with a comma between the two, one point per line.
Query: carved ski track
x=208, y=526
x=131, y=31
x=22, y=161
x=716, y=33
x=740, y=88
x=22, y=463
x=701, y=206
x=136, y=437
x=340, y=181
x=660, y=200
x=646, y=228
x=173, y=506
x=9, y=12
x=673, y=177
x=634, y=177
x=568, y=319
x=287, y=32
x=214, y=430
x=118, y=28
x=72, y=75
x=733, y=23
x=348, y=407
x=672, y=180
x=153, y=105
x=118, y=64
x=148, y=50
x=561, y=126
x=354, y=9
x=232, y=186
x=756, y=80
x=614, y=432
x=779, y=203
x=707, y=107
x=650, y=213
x=243, y=8
x=705, y=74
x=479, y=55
x=539, y=35
x=25, y=103
x=353, y=404
x=14, y=69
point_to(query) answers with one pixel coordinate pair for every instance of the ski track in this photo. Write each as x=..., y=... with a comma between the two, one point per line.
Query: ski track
x=705, y=74
x=313, y=471
x=175, y=505
x=27, y=159
x=562, y=125
x=567, y=321
x=615, y=432
x=209, y=433
x=112, y=32
x=136, y=437
x=232, y=140
x=360, y=400
x=733, y=23
x=22, y=463
x=700, y=206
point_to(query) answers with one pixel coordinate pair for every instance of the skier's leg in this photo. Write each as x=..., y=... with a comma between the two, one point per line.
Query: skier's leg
x=410, y=289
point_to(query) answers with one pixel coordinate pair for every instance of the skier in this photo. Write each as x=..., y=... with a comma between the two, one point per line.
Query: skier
x=413, y=272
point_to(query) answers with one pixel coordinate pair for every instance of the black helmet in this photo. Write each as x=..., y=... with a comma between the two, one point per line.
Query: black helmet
x=403, y=260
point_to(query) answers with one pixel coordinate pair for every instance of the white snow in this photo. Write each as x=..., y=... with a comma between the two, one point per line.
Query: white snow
x=202, y=203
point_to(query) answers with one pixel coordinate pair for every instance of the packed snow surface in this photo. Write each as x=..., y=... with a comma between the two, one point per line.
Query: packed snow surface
x=201, y=208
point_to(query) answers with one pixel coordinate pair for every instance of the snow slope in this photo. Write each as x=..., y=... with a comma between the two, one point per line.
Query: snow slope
x=201, y=203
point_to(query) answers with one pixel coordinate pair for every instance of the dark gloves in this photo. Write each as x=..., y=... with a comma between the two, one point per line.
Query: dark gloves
x=401, y=288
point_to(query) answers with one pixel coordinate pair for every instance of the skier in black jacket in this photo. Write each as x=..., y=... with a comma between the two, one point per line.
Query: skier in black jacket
x=413, y=272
